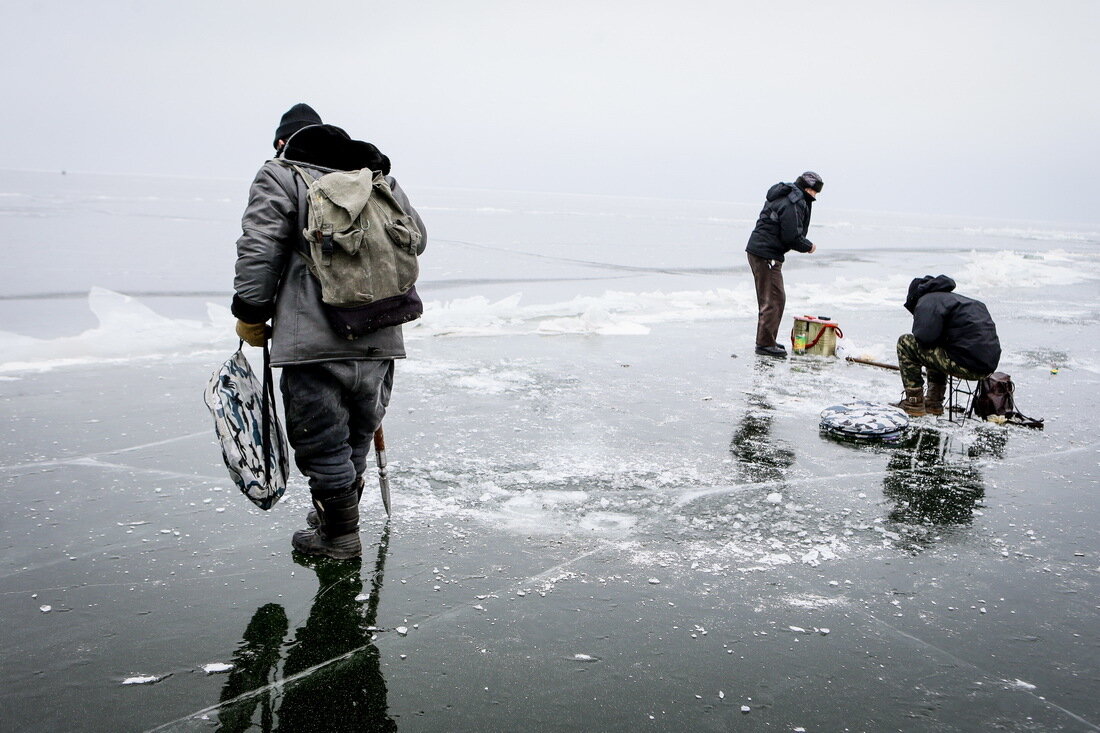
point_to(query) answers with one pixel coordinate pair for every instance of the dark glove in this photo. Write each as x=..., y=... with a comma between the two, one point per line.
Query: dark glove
x=253, y=334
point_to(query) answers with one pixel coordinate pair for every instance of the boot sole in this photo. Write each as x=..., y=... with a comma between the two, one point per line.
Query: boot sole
x=327, y=550
x=331, y=555
x=330, y=552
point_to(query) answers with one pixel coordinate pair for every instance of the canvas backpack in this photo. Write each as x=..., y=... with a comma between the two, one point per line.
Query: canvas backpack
x=363, y=250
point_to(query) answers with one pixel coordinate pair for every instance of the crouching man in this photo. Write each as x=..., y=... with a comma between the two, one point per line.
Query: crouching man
x=952, y=335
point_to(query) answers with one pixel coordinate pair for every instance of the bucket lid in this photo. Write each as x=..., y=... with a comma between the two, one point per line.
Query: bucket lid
x=823, y=320
x=865, y=420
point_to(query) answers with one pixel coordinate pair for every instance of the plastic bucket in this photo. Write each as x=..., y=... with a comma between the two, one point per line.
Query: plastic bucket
x=815, y=335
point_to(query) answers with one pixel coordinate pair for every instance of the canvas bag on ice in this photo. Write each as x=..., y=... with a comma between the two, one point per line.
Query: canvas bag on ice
x=247, y=425
x=363, y=250
x=996, y=397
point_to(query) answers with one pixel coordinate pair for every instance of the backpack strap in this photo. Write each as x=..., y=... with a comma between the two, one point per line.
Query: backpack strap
x=324, y=235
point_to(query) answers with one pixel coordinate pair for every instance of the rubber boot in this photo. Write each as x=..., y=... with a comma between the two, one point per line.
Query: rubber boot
x=337, y=535
x=312, y=520
x=933, y=398
x=913, y=404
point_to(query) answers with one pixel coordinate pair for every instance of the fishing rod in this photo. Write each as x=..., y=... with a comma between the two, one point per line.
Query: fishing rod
x=869, y=362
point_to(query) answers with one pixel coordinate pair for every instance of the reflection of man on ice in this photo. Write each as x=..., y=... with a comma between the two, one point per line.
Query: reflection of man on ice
x=331, y=678
x=952, y=335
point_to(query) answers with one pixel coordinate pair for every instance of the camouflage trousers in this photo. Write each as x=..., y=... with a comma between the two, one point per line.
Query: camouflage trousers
x=912, y=356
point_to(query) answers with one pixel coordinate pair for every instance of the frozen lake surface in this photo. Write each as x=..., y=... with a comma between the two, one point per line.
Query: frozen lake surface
x=609, y=515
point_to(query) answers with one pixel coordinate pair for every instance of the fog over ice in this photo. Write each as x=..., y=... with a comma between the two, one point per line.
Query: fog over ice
x=978, y=109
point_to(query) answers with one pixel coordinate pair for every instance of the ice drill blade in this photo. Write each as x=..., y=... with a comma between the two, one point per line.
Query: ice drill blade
x=383, y=472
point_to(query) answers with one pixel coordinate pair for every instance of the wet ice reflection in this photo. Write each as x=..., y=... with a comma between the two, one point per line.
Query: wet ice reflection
x=330, y=676
x=935, y=483
x=759, y=456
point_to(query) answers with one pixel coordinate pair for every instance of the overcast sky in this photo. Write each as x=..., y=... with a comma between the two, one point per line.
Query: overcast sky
x=983, y=108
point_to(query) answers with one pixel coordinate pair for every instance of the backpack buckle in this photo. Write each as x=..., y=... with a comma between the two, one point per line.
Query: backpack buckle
x=324, y=238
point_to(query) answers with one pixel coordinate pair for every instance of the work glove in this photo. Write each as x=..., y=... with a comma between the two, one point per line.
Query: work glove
x=253, y=334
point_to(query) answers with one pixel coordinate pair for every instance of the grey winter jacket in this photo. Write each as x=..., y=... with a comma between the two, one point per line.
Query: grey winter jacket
x=273, y=280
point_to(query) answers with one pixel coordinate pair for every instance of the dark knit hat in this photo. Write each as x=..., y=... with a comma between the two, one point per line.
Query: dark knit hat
x=299, y=116
x=810, y=180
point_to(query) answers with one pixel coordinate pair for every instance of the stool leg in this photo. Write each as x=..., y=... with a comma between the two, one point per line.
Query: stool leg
x=950, y=398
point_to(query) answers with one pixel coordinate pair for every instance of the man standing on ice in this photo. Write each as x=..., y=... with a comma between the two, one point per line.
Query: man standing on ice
x=952, y=334
x=335, y=389
x=783, y=224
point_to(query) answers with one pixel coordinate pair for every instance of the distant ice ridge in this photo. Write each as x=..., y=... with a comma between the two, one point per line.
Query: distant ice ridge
x=989, y=272
x=621, y=313
x=614, y=313
x=127, y=330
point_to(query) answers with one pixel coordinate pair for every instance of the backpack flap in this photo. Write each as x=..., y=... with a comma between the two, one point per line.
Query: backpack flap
x=336, y=204
x=349, y=190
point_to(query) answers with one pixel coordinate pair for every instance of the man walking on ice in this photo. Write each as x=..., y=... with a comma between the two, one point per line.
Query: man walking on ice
x=335, y=388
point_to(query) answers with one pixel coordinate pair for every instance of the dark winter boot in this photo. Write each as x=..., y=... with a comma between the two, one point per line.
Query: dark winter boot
x=913, y=404
x=933, y=399
x=312, y=520
x=337, y=534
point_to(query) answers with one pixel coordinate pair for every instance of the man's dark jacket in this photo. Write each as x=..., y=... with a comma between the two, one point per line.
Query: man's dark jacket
x=961, y=325
x=783, y=224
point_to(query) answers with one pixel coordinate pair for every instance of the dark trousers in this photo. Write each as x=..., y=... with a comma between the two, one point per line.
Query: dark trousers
x=770, y=298
x=332, y=411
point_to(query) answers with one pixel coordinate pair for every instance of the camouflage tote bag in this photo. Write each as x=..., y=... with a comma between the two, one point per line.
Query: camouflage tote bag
x=247, y=425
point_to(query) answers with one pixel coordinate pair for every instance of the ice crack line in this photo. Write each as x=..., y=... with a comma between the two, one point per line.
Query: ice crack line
x=964, y=663
x=93, y=456
x=282, y=682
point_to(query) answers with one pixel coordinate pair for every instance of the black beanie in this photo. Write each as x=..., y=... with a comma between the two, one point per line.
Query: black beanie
x=299, y=116
x=810, y=180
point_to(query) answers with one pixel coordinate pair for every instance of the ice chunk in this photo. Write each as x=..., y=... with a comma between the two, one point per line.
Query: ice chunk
x=143, y=679
x=774, y=498
x=216, y=667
